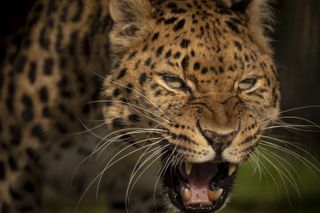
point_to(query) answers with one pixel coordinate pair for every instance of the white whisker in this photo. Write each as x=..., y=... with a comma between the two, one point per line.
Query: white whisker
x=160, y=153
x=142, y=95
x=298, y=108
x=136, y=168
x=111, y=163
x=287, y=173
x=303, y=160
x=134, y=106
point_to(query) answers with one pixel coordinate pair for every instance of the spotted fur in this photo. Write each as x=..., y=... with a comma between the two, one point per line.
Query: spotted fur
x=177, y=65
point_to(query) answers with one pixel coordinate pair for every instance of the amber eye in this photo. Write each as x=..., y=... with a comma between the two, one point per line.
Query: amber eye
x=175, y=82
x=247, y=83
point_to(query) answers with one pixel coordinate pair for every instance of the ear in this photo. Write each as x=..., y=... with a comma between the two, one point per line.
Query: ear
x=257, y=11
x=258, y=14
x=131, y=22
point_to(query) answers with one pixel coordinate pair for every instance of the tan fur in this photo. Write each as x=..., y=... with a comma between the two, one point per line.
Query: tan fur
x=219, y=95
x=205, y=48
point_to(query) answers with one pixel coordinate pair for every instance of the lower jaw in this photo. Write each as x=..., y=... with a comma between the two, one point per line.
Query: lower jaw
x=199, y=208
x=211, y=207
x=218, y=190
x=195, y=208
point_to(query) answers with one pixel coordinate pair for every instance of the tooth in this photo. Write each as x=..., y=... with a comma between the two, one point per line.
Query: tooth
x=232, y=169
x=188, y=167
x=185, y=194
x=214, y=195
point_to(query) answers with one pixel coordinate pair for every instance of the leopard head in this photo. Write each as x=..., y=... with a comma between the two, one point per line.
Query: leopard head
x=199, y=74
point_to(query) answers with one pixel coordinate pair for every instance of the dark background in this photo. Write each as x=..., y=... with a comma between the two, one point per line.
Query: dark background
x=296, y=41
x=297, y=54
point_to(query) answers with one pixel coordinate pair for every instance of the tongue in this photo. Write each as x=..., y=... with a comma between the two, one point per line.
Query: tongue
x=198, y=183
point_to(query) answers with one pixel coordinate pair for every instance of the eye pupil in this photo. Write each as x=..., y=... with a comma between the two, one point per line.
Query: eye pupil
x=172, y=81
x=176, y=83
x=247, y=83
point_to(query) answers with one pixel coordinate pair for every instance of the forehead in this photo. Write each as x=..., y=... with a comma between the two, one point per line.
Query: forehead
x=210, y=41
x=207, y=24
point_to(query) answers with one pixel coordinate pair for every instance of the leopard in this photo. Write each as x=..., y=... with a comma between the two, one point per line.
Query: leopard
x=188, y=86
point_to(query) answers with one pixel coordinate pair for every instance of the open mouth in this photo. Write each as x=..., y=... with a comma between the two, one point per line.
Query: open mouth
x=200, y=188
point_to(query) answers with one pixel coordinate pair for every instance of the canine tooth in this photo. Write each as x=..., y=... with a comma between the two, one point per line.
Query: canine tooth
x=185, y=194
x=188, y=167
x=214, y=195
x=232, y=169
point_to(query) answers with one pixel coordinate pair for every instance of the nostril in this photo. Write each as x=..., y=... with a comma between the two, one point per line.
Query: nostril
x=216, y=140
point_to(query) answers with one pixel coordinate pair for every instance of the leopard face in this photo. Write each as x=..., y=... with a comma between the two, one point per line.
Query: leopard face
x=200, y=73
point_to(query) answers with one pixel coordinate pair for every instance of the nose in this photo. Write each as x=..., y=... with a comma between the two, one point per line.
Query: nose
x=218, y=141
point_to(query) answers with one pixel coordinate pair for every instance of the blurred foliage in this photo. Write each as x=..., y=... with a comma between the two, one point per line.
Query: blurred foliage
x=274, y=192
